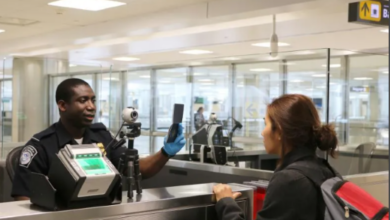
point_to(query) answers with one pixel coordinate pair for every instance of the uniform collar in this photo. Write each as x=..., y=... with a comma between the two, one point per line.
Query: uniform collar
x=297, y=154
x=65, y=138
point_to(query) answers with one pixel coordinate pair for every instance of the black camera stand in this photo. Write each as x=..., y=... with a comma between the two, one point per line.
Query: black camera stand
x=129, y=161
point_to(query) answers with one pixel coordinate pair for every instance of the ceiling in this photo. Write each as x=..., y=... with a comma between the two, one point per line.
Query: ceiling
x=155, y=31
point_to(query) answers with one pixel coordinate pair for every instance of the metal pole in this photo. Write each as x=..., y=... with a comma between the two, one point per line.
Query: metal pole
x=327, y=91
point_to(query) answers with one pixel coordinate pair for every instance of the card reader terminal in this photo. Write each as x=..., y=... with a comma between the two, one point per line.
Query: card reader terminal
x=79, y=176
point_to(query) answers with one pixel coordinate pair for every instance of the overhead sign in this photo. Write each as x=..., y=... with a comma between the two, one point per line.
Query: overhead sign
x=369, y=12
x=360, y=89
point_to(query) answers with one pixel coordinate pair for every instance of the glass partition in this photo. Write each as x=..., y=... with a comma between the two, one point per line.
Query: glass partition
x=357, y=94
x=138, y=95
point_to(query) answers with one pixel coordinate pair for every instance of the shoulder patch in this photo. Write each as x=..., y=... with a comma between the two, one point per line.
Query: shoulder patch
x=98, y=126
x=27, y=155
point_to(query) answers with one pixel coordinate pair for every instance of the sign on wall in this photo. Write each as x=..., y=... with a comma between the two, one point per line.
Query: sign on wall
x=369, y=13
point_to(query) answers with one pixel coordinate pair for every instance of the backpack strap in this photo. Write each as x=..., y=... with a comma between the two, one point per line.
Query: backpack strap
x=316, y=178
x=381, y=214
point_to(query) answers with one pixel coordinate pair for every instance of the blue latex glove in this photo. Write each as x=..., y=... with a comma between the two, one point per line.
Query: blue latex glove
x=173, y=148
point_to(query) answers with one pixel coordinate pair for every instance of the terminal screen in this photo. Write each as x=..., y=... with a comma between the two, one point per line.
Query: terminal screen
x=93, y=166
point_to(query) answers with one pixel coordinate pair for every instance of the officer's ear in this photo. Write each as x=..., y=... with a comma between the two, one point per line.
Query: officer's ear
x=62, y=105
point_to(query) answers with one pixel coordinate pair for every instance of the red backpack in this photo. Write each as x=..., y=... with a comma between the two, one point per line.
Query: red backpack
x=344, y=199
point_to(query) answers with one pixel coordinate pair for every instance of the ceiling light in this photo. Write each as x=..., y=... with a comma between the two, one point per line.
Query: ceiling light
x=385, y=72
x=268, y=44
x=145, y=76
x=196, y=52
x=319, y=75
x=199, y=74
x=205, y=80
x=385, y=31
x=72, y=65
x=297, y=81
x=126, y=59
x=196, y=63
x=89, y=5
x=332, y=65
x=260, y=70
x=111, y=79
x=1, y=31
x=362, y=78
x=231, y=58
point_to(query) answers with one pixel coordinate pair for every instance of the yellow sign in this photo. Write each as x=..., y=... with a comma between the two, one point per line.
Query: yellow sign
x=251, y=110
x=370, y=10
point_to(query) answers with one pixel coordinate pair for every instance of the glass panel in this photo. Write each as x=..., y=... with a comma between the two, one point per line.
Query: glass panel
x=359, y=95
x=255, y=86
x=6, y=106
x=309, y=77
x=137, y=95
x=211, y=92
x=172, y=87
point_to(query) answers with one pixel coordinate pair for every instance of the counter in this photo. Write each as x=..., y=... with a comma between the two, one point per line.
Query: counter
x=191, y=202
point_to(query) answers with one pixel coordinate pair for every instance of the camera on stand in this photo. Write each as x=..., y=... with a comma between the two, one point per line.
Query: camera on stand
x=129, y=161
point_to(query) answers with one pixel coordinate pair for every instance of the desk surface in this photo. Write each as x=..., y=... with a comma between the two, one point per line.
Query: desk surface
x=150, y=199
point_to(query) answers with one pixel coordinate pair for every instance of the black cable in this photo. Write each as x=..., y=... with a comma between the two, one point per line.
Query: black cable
x=108, y=145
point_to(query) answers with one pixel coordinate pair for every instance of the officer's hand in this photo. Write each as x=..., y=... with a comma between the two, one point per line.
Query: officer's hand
x=173, y=148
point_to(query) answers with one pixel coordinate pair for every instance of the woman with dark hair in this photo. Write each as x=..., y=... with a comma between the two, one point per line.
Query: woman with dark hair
x=294, y=132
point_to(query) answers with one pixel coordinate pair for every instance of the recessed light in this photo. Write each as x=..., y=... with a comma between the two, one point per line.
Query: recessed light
x=1, y=31
x=111, y=79
x=145, y=76
x=126, y=59
x=297, y=81
x=319, y=75
x=89, y=5
x=72, y=65
x=196, y=52
x=231, y=58
x=260, y=70
x=332, y=65
x=362, y=78
x=199, y=74
x=268, y=44
x=385, y=31
x=385, y=72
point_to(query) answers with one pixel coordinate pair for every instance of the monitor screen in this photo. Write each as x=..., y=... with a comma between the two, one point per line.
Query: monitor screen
x=93, y=166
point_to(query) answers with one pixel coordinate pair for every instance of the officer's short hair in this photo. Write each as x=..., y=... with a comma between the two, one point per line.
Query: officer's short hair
x=65, y=89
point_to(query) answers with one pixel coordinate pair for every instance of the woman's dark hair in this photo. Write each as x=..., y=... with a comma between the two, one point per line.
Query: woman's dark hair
x=200, y=109
x=300, y=125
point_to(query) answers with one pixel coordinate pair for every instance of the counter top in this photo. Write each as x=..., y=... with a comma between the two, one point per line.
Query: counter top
x=150, y=199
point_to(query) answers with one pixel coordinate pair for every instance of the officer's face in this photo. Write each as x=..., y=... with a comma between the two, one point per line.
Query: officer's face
x=81, y=108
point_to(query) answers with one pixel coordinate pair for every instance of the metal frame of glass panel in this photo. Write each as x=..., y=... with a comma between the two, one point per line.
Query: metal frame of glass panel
x=325, y=54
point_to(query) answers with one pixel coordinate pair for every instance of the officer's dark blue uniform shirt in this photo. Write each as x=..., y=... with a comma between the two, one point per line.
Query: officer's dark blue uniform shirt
x=39, y=151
